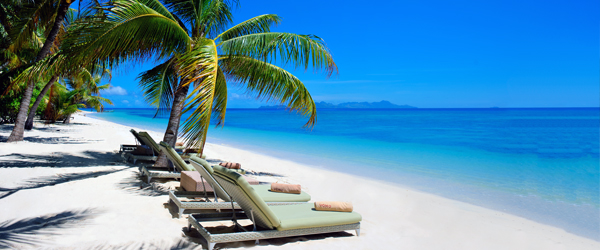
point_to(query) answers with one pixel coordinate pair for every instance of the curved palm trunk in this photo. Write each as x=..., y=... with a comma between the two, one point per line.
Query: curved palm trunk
x=173, y=126
x=29, y=122
x=19, y=128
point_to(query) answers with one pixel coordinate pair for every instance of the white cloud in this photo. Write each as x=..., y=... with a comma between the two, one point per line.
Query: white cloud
x=125, y=101
x=115, y=91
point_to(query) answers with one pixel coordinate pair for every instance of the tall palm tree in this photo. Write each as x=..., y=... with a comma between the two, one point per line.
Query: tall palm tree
x=199, y=55
x=32, y=15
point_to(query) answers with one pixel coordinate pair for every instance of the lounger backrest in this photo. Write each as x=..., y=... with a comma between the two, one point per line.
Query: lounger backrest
x=245, y=196
x=137, y=136
x=206, y=171
x=149, y=141
x=175, y=158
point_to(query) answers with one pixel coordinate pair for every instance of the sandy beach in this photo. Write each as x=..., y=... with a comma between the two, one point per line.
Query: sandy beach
x=66, y=187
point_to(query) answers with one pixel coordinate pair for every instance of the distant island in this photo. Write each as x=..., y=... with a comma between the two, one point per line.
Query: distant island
x=351, y=105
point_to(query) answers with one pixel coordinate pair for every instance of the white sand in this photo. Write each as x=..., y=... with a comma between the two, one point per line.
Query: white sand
x=96, y=201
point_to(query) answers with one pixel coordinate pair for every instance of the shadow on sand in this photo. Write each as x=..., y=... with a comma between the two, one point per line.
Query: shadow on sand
x=135, y=185
x=60, y=159
x=194, y=236
x=31, y=231
x=45, y=181
x=181, y=244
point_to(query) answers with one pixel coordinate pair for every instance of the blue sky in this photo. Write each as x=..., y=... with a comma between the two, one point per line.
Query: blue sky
x=435, y=54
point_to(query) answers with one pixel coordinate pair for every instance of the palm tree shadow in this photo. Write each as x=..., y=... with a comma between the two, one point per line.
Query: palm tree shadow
x=45, y=181
x=180, y=244
x=61, y=159
x=135, y=185
x=28, y=231
x=194, y=236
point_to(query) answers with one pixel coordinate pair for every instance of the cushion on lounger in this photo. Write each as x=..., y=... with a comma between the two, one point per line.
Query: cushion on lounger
x=304, y=216
x=333, y=206
x=286, y=188
x=250, y=193
x=264, y=191
x=203, y=167
x=191, y=181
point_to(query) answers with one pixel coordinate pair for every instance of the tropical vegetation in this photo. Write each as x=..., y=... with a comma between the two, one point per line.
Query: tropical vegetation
x=198, y=53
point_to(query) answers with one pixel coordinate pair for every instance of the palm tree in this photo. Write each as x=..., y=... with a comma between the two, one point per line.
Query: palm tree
x=202, y=58
x=79, y=91
x=30, y=17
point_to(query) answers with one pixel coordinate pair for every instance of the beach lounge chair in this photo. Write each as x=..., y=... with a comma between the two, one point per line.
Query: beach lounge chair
x=178, y=164
x=146, y=140
x=268, y=221
x=206, y=171
x=130, y=147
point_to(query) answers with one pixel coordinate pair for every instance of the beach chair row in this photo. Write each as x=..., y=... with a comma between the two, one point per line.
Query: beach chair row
x=273, y=214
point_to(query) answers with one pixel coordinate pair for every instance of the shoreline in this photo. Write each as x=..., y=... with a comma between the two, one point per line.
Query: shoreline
x=393, y=216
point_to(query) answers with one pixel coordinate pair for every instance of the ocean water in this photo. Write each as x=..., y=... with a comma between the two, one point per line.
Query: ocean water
x=541, y=164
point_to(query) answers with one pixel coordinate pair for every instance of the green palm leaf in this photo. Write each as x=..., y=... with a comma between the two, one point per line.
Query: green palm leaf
x=259, y=24
x=268, y=82
x=298, y=50
x=200, y=67
x=159, y=86
x=130, y=31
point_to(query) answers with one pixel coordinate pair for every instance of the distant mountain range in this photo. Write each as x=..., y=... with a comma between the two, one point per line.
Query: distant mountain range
x=351, y=105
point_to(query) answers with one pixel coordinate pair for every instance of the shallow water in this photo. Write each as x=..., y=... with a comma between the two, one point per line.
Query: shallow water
x=542, y=164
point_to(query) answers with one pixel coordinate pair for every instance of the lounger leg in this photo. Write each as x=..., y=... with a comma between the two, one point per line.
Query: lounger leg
x=256, y=242
x=211, y=246
x=180, y=212
x=134, y=160
x=357, y=232
x=148, y=178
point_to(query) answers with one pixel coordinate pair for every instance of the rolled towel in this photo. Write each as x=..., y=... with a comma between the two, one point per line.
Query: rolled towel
x=286, y=188
x=333, y=206
x=179, y=144
x=230, y=165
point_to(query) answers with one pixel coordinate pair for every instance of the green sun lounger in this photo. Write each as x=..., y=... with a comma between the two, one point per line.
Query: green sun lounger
x=268, y=221
x=206, y=171
x=146, y=140
x=178, y=165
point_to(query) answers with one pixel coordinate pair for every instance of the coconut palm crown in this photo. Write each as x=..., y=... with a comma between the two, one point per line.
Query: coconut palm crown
x=199, y=53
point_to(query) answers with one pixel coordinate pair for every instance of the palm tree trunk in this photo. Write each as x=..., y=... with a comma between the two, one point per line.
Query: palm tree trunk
x=173, y=126
x=19, y=128
x=29, y=122
x=67, y=120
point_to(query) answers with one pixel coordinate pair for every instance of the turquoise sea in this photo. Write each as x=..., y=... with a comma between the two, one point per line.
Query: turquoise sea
x=541, y=164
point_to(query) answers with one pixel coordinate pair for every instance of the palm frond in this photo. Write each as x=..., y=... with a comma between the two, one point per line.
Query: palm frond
x=159, y=85
x=206, y=17
x=288, y=48
x=220, y=98
x=200, y=67
x=130, y=31
x=31, y=17
x=270, y=82
x=259, y=24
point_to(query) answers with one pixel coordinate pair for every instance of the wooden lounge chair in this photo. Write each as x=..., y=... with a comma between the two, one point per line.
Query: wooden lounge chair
x=206, y=171
x=146, y=140
x=268, y=221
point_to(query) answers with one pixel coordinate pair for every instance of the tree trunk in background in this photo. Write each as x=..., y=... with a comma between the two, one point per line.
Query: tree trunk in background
x=173, y=126
x=29, y=122
x=67, y=120
x=19, y=128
